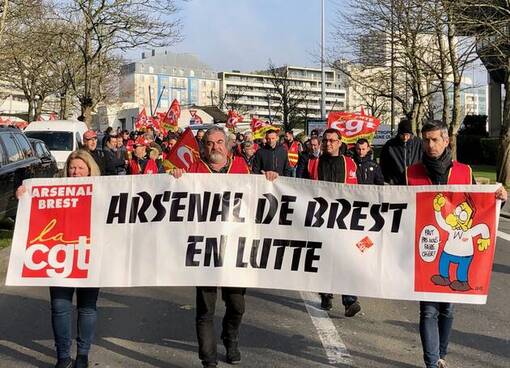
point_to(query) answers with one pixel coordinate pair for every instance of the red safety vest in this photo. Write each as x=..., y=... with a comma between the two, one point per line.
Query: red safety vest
x=150, y=168
x=350, y=171
x=237, y=166
x=293, y=153
x=459, y=174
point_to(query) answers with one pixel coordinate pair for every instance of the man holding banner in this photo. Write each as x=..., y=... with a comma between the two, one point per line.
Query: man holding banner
x=337, y=168
x=217, y=160
x=438, y=168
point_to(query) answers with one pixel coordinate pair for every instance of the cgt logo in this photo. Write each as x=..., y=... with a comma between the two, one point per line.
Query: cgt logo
x=58, y=244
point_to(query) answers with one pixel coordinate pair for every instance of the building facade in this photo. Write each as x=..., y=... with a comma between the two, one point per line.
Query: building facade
x=255, y=94
x=167, y=76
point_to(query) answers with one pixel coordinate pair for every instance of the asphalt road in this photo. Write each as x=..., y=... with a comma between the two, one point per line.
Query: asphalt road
x=154, y=327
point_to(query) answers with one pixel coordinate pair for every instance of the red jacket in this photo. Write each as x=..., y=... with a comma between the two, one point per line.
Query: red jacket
x=459, y=174
x=237, y=165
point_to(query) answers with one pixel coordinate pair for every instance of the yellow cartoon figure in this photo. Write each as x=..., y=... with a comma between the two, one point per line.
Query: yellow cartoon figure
x=459, y=247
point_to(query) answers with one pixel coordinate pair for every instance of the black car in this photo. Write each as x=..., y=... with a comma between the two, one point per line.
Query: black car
x=17, y=162
x=49, y=167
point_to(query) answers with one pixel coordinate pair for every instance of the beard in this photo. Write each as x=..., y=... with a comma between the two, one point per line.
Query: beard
x=216, y=157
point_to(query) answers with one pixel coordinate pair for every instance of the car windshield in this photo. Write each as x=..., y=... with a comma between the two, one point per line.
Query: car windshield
x=56, y=141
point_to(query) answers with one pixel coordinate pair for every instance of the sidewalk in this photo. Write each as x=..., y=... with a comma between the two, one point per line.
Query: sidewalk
x=505, y=211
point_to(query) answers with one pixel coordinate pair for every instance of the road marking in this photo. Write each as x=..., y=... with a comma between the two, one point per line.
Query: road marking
x=503, y=235
x=333, y=345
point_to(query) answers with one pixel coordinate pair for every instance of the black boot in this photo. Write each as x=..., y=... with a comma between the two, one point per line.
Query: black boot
x=82, y=361
x=326, y=301
x=64, y=363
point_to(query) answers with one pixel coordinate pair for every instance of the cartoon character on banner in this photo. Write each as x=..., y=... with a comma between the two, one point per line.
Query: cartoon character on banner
x=459, y=247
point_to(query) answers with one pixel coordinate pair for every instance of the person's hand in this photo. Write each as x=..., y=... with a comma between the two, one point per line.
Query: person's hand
x=501, y=193
x=483, y=244
x=20, y=191
x=176, y=172
x=270, y=175
x=439, y=202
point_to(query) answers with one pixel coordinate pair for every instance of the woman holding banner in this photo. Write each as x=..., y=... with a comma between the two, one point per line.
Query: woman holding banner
x=79, y=163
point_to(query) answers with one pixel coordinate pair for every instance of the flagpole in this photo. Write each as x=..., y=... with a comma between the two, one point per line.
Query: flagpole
x=323, y=73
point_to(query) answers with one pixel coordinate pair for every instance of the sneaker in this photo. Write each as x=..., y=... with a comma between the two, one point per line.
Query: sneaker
x=64, y=363
x=441, y=363
x=352, y=310
x=326, y=301
x=233, y=353
x=82, y=361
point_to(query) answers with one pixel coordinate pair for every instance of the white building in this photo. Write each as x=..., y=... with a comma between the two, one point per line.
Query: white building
x=254, y=94
x=169, y=76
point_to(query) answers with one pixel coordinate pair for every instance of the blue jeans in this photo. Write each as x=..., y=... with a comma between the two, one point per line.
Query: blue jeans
x=436, y=320
x=463, y=265
x=62, y=316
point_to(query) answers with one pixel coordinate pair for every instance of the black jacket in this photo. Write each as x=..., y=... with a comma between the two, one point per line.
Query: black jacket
x=368, y=171
x=98, y=156
x=396, y=156
x=114, y=163
x=271, y=159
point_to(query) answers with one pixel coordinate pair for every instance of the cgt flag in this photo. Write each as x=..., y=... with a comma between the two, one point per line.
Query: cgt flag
x=185, y=151
x=353, y=126
x=233, y=119
x=259, y=128
x=141, y=120
x=170, y=121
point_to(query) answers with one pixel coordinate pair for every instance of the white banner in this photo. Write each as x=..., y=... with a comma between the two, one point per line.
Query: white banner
x=244, y=231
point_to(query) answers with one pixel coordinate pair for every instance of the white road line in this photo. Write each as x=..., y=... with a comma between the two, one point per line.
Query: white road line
x=333, y=345
x=503, y=235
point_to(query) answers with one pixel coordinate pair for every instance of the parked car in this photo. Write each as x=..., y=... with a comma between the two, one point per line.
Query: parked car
x=49, y=168
x=61, y=136
x=17, y=162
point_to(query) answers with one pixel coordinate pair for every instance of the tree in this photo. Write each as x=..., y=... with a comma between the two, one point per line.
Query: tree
x=290, y=96
x=104, y=27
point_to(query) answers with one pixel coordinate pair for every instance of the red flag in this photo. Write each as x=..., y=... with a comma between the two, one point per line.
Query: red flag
x=141, y=120
x=172, y=115
x=53, y=116
x=39, y=118
x=353, y=126
x=185, y=151
x=233, y=119
x=362, y=110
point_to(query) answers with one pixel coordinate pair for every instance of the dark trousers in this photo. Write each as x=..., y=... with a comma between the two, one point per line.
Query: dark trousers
x=206, y=306
x=62, y=316
x=347, y=300
x=436, y=320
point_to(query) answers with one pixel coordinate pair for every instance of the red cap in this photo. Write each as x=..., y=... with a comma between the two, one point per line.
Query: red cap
x=89, y=134
x=141, y=141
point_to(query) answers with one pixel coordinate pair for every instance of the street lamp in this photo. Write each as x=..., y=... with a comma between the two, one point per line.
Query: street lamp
x=323, y=73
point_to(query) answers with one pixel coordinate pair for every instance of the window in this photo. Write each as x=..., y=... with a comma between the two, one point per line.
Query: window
x=24, y=144
x=56, y=141
x=11, y=149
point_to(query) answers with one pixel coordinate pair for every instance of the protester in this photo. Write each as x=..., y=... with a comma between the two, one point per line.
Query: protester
x=139, y=163
x=309, y=159
x=248, y=152
x=399, y=153
x=335, y=167
x=200, y=140
x=438, y=168
x=114, y=161
x=79, y=163
x=272, y=157
x=107, y=132
x=368, y=171
x=294, y=148
x=90, y=145
x=217, y=160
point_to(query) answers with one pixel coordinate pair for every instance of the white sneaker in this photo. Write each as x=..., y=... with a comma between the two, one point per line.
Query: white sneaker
x=441, y=363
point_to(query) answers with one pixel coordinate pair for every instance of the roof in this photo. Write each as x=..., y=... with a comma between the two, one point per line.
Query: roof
x=217, y=115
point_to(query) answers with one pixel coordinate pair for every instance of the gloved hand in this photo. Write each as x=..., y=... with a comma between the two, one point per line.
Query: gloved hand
x=439, y=202
x=483, y=244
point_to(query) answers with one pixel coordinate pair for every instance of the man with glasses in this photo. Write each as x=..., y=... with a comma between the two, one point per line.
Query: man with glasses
x=90, y=145
x=335, y=167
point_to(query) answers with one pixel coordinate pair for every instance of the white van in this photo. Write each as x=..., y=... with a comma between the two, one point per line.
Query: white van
x=61, y=136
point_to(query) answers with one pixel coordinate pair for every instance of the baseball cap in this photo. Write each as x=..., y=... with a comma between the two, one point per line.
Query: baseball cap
x=89, y=134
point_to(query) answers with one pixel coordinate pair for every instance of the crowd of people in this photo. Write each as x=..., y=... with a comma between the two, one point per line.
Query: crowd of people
x=405, y=159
